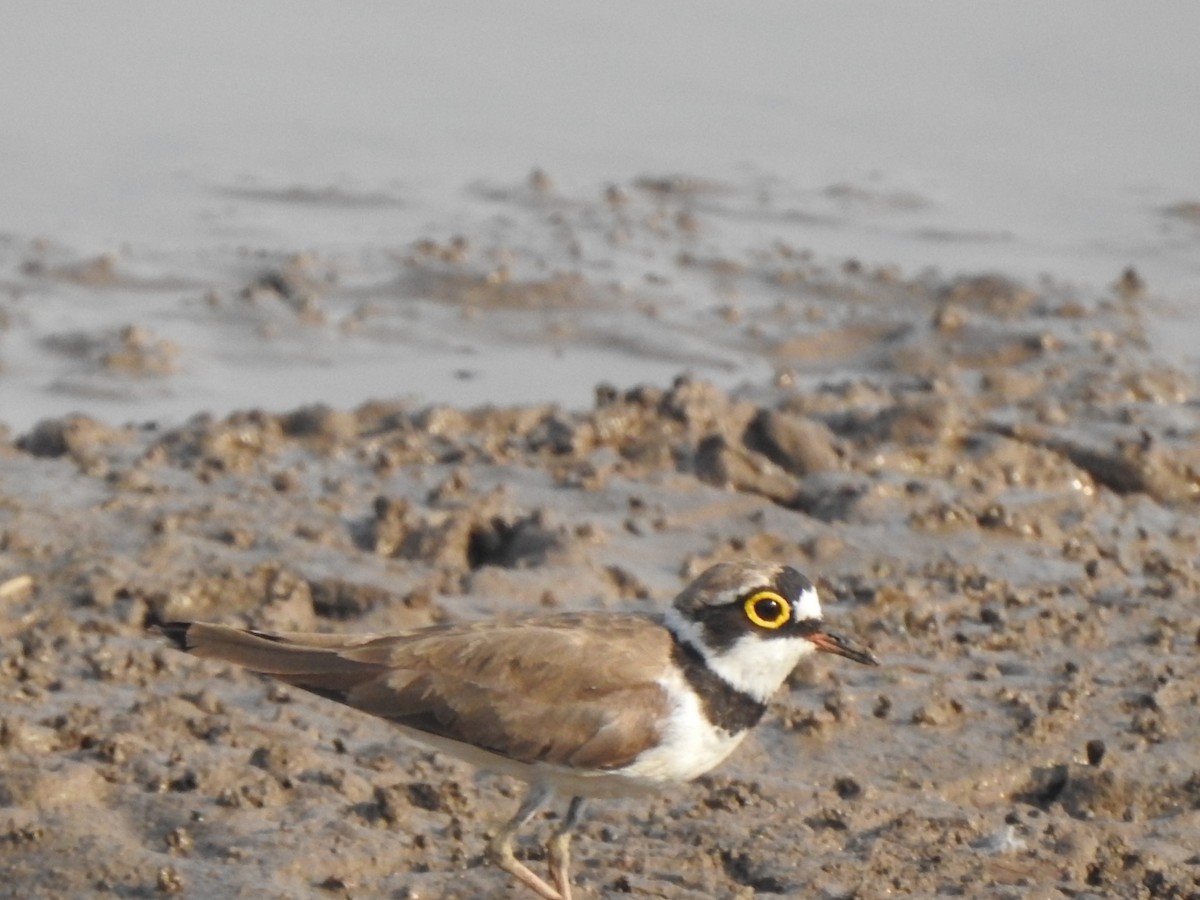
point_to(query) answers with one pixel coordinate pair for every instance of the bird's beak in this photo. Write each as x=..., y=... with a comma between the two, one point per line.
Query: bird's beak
x=829, y=642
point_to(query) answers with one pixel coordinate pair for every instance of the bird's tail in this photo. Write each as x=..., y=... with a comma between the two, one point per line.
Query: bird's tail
x=321, y=663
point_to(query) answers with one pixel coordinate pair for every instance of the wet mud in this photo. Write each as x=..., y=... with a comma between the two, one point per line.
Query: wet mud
x=993, y=484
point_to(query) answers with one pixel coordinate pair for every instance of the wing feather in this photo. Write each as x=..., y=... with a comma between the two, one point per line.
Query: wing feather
x=573, y=690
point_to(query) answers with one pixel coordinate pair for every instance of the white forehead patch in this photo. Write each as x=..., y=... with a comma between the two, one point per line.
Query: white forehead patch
x=807, y=605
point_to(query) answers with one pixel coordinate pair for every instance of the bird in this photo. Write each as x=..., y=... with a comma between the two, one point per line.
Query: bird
x=579, y=705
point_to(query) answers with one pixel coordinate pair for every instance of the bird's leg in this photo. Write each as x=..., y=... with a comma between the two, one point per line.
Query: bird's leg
x=500, y=847
x=559, y=848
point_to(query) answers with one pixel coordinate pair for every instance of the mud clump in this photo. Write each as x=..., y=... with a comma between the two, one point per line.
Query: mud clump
x=799, y=446
x=81, y=438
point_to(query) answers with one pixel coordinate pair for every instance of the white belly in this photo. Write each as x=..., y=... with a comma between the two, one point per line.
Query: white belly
x=691, y=744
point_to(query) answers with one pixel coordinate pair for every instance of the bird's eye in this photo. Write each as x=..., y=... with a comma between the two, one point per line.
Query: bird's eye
x=767, y=609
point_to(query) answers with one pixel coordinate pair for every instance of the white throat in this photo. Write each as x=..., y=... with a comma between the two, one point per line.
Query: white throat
x=754, y=665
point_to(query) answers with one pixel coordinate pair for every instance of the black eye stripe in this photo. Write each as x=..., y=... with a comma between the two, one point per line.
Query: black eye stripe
x=723, y=608
x=725, y=623
x=807, y=626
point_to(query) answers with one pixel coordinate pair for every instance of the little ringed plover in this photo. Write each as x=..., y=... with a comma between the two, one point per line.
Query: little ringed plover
x=578, y=705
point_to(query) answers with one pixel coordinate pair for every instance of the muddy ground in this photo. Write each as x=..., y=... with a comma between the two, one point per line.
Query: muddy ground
x=994, y=485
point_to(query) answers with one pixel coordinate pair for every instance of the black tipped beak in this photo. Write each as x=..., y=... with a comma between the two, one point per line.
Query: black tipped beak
x=829, y=642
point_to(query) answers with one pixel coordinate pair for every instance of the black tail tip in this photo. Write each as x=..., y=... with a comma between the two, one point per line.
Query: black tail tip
x=176, y=632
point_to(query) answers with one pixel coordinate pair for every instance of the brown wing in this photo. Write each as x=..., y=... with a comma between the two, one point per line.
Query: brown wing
x=574, y=690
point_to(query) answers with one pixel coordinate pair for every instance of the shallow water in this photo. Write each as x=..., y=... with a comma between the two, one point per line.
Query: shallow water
x=196, y=148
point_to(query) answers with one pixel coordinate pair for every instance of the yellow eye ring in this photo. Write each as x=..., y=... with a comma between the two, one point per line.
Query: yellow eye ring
x=767, y=609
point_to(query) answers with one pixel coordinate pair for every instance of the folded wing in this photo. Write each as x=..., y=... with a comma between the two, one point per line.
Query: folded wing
x=571, y=690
